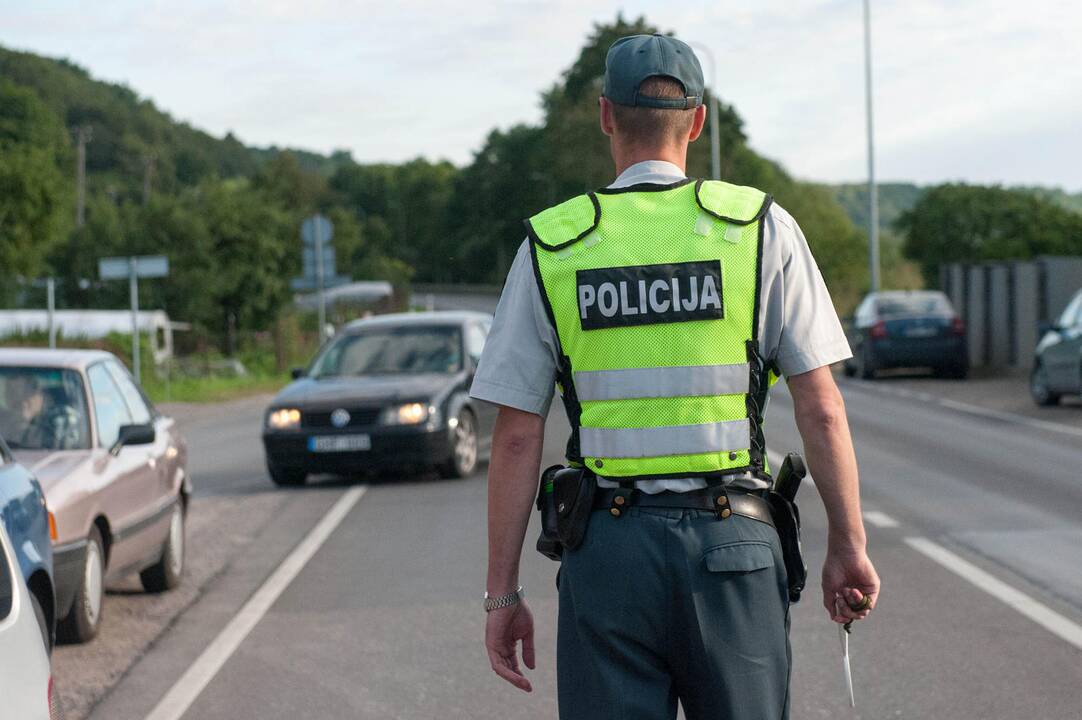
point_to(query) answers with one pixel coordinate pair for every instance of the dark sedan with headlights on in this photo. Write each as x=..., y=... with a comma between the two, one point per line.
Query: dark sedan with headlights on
x=387, y=393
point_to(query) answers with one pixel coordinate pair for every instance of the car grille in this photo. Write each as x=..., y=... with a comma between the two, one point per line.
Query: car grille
x=358, y=417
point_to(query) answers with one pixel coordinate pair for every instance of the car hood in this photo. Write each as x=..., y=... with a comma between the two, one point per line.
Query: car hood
x=52, y=466
x=363, y=389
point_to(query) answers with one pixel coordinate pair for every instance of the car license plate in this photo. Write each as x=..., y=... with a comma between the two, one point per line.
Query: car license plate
x=921, y=332
x=339, y=443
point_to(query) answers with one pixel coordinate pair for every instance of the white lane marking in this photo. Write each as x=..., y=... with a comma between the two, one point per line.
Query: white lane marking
x=880, y=519
x=967, y=408
x=1060, y=626
x=776, y=461
x=181, y=696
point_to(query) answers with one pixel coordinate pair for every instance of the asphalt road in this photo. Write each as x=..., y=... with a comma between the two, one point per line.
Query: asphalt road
x=383, y=621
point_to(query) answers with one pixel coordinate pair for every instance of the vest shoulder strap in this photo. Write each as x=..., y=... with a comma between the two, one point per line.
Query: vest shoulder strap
x=565, y=224
x=736, y=204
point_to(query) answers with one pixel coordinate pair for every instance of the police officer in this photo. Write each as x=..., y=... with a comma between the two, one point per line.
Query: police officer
x=664, y=307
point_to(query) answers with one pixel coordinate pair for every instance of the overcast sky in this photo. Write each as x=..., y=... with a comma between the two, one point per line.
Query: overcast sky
x=978, y=90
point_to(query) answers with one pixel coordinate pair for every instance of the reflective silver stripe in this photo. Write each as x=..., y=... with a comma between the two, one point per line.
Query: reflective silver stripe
x=660, y=441
x=661, y=382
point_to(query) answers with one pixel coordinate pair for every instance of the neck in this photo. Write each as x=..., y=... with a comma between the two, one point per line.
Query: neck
x=625, y=157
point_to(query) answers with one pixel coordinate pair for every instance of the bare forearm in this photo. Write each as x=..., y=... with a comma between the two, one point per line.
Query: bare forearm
x=512, y=485
x=828, y=448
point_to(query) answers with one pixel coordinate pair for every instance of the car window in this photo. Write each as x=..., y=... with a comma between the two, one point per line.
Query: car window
x=137, y=406
x=1072, y=315
x=475, y=341
x=392, y=351
x=912, y=304
x=7, y=586
x=43, y=408
x=109, y=408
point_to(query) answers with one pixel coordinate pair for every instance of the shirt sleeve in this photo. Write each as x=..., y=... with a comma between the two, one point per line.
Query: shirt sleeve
x=518, y=363
x=811, y=334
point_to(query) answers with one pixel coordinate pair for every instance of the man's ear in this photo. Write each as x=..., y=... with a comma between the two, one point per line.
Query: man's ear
x=608, y=125
x=698, y=123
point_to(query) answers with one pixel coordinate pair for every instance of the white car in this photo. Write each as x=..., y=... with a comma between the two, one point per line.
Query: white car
x=26, y=683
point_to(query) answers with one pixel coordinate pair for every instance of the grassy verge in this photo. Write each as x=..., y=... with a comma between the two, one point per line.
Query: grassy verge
x=211, y=389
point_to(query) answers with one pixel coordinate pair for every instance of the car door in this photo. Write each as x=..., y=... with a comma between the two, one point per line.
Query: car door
x=476, y=334
x=1072, y=349
x=163, y=456
x=1062, y=348
x=126, y=480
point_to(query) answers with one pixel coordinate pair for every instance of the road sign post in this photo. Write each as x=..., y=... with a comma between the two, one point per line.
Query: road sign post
x=133, y=268
x=319, y=262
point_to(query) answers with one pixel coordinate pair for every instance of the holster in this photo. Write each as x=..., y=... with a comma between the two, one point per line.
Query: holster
x=786, y=518
x=573, y=491
x=548, y=542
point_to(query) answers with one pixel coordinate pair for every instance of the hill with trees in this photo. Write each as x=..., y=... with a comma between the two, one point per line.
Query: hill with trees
x=227, y=215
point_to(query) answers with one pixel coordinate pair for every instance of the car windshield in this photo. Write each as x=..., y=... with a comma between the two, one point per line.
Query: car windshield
x=915, y=304
x=392, y=351
x=43, y=409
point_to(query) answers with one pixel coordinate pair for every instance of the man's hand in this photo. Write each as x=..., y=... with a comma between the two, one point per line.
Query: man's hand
x=848, y=577
x=503, y=630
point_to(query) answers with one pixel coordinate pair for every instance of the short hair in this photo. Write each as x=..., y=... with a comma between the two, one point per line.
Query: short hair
x=649, y=125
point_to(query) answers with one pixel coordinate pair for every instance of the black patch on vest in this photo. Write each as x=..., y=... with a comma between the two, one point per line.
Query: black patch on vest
x=649, y=294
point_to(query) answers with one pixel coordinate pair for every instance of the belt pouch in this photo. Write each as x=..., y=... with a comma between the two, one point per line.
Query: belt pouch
x=548, y=542
x=573, y=491
x=786, y=518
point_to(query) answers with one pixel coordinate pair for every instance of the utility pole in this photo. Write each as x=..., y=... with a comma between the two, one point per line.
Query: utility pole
x=83, y=135
x=715, y=133
x=873, y=193
x=50, y=305
x=148, y=173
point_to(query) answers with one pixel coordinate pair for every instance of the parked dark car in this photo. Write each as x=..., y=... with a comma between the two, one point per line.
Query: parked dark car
x=25, y=517
x=389, y=392
x=907, y=329
x=1057, y=367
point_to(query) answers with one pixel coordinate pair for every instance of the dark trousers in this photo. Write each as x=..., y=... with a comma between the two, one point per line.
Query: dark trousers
x=662, y=605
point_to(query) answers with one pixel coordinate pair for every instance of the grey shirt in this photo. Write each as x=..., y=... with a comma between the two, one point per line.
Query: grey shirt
x=799, y=328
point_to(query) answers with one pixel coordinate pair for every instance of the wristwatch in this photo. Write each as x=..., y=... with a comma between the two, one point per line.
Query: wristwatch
x=502, y=601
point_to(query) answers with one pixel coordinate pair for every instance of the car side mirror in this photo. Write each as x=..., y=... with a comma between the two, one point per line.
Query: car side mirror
x=296, y=373
x=133, y=435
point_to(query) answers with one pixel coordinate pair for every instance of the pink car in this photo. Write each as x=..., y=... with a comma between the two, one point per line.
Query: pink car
x=113, y=469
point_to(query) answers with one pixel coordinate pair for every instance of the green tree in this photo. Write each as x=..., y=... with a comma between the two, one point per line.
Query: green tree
x=34, y=195
x=970, y=223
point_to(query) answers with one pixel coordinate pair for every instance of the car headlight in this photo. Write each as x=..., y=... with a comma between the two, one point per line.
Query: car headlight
x=284, y=419
x=409, y=414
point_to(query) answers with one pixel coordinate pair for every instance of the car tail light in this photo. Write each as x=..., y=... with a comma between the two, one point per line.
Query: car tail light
x=879, y=330
x=958, y=327
x=54, y=706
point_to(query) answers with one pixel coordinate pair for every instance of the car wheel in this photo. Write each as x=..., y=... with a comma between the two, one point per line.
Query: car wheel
x=1038, y=387
x=39, y=613
x=463, y=459
x=286, y=477
x=866, y=365
x=165, y=574
x=82, y=621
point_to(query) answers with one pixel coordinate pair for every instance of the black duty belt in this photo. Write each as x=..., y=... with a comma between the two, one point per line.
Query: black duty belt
x=713, y=499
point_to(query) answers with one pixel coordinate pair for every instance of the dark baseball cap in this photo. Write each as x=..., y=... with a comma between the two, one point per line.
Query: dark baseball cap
x=635, y=58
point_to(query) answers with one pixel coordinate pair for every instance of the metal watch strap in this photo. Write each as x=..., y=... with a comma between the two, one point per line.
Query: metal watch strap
x=511, y=598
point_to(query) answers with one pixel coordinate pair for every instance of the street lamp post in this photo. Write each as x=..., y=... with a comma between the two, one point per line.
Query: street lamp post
x=873, y=195
x=715, y=137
